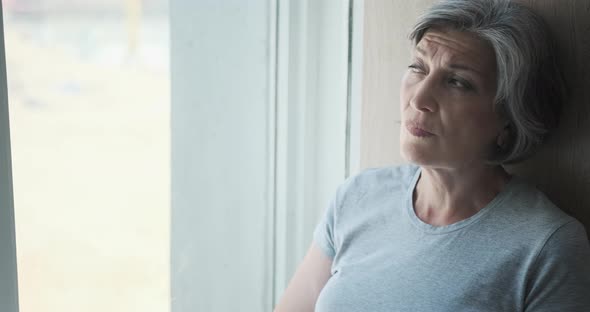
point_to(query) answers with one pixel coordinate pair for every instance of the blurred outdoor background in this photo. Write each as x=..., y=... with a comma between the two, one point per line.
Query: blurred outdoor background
x=88, y=86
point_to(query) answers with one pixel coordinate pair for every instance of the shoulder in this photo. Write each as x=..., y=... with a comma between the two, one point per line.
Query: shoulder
x=526, y=206
x=530, y=221
x=376, y=184
x=380, y=176
x=559, y=279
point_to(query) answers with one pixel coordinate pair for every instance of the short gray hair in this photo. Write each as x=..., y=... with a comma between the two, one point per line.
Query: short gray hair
x=530, y=88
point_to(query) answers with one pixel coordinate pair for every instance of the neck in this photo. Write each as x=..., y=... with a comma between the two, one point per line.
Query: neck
x=445, y=196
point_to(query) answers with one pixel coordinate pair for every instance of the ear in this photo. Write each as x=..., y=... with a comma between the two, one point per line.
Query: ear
x=503, y=136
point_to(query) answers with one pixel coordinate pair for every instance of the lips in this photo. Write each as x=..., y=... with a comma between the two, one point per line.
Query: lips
x=418, y=130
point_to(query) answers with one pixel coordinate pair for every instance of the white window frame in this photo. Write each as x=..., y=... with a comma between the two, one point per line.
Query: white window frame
x=305, y=111
x=312, y=141
x=355, y=79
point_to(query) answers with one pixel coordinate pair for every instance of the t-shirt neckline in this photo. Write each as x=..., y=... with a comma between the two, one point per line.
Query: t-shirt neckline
x=437, y=229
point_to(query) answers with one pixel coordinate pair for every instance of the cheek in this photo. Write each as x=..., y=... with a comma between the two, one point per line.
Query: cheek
x=478, y=127
x=488, y=121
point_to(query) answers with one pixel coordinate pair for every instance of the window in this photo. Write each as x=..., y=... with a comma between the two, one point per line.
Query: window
x=196, y=186
x=88, y=89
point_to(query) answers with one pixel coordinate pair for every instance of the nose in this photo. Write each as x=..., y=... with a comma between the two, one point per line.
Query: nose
x=424, y=97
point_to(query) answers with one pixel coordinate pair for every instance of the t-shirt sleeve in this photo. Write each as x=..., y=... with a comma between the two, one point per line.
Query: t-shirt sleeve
x=323, y=234
x=560, y=279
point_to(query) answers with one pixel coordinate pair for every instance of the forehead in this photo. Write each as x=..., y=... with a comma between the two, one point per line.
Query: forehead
x=456, y=46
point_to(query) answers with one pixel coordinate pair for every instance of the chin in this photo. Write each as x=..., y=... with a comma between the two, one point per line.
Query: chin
x=429, y=158
x=424, y=156
x=416, y=154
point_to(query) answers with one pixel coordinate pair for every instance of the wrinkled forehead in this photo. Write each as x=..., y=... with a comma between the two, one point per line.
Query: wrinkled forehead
x=457, y=46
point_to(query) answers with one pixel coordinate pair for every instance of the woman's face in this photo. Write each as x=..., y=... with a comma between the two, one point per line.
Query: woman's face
x=447, y=99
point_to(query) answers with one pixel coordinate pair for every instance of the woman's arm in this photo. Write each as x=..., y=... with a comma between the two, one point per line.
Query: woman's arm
x=307, y=282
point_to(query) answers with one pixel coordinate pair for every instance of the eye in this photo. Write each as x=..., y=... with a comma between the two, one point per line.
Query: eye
x=417, y=68
x=460, y=83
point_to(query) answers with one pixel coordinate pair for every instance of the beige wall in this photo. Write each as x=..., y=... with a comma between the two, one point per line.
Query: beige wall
x=561, y=168
x=385, y=58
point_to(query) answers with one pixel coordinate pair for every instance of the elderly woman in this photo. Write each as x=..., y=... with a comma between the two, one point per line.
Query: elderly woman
x=453, y=231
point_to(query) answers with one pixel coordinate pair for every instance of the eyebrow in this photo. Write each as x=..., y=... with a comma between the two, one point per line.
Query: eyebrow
x=419, y=49
x=466, y=68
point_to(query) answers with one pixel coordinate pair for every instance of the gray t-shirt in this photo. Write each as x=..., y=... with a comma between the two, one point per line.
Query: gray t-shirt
x=519, y=253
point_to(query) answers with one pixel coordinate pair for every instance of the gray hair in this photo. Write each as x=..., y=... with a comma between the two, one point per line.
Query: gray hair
x=530, y=87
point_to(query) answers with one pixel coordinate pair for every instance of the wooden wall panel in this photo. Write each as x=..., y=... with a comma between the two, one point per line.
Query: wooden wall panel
x=561, y=168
